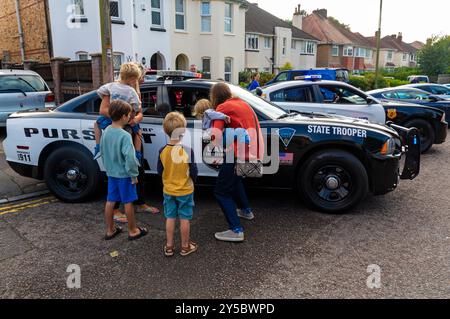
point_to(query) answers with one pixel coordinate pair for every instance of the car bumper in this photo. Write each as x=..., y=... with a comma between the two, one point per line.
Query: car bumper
x=385, y=172
x=25, y=170
x=441, y=132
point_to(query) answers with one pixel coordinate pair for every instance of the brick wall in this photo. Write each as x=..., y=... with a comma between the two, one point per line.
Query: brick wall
x=34, y=30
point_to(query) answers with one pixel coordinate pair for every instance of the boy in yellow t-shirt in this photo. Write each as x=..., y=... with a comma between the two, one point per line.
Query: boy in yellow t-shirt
x=177, y=167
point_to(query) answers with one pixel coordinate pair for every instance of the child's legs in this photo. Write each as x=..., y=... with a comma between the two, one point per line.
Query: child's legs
x=128, y=196
x=109, y=207
x=185, y=212
x=129, y=210
x=137, y=141
x=170, y=231
x=98, y=133
x=185, y=229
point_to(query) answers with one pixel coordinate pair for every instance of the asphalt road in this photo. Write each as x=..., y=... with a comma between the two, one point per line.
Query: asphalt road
x=289, y=252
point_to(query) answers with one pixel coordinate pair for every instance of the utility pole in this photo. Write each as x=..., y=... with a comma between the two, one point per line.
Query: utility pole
x=377, y=66
x=106, y=37
x=19, y=26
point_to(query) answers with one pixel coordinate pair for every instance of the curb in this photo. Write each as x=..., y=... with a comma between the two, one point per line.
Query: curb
x=23, y=197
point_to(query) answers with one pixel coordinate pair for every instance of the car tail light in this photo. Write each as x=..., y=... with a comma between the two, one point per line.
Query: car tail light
x=50, y=98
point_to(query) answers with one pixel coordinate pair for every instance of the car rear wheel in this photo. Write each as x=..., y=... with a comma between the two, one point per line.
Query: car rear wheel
x=71, y=174
x=427, y=135
x=333, y=181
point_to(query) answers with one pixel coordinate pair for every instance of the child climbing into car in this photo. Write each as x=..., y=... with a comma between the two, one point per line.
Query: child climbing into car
x=121, y=165
x=177, y=167
x=126, y=89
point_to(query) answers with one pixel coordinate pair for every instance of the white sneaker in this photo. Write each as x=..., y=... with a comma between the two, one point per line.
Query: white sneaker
x=230, y=235
x=248, y=216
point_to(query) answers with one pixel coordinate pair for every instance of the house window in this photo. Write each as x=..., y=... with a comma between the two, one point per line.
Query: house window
x=390, y=55
x=134, y=13
x=348, y=51
x=206, y=68
x=307, y=47
x=335, y=50
x=228, y=17
x=115, y=10
x=360, y=52
x=284, y=46
x=293, y=44
x=180, y=15
x=405, y=56
x=267, y=43
x=156, y=13
x=412, y=57
x=78, y=7
x=369, y=54
x=206, y=16
x=228, y=69
x=82, y=56
x=118, y=59
x=252, y=42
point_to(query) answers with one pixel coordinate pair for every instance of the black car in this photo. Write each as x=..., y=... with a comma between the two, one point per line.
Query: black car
x=332, y=163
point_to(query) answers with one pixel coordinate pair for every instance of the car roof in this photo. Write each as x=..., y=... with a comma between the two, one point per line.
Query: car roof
x=403, y=87
x=4, y=72
x=287, y=84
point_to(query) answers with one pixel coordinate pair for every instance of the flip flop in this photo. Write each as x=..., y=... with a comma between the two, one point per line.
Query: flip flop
x=148, y=209
x=142, y=233
x=117, y=231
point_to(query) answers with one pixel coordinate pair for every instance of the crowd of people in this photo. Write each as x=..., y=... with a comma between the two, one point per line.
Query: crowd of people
x=232, y=126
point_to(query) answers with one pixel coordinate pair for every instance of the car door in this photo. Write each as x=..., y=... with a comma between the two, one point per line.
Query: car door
x=345, y=101
x=182, y=98
x=298, y=98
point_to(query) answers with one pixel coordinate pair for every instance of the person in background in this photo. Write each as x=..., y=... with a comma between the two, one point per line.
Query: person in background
x=255, y=82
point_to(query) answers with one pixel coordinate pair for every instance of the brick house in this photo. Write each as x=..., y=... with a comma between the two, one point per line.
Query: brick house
x=34, y=22
x=339, y=47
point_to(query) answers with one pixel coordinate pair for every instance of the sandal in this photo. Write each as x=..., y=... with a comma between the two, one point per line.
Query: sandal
x=142, y=233
x=189, y=250
x=168, y=251
x=147, y=209
x=117, y=231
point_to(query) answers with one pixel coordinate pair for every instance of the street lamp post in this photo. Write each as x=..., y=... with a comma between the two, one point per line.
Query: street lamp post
x=377, y=70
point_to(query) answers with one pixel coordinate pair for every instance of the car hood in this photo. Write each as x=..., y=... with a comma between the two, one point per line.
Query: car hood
x=388, y=104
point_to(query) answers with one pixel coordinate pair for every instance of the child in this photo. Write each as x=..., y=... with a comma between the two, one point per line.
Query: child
x=203, y=111
x=121, y=166
x=126, y=89
x=177, y=167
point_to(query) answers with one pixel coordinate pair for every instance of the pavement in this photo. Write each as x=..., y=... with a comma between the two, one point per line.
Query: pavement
x=289, y=251
x=12, y=185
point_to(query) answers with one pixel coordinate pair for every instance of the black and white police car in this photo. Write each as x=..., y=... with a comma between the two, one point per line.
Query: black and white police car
x=333, y=163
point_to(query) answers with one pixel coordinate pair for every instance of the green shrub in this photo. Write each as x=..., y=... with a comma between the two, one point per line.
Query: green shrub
x=394, y=82
x=265, y=77
x=286, y=67
x=360, y=82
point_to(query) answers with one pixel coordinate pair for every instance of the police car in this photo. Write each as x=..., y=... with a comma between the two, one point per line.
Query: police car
x=337, y=98
x=332, y=163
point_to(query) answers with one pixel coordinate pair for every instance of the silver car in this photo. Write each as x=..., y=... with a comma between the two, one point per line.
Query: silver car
x=22, y=90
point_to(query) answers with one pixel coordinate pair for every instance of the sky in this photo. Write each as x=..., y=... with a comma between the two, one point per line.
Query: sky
x=416, y=19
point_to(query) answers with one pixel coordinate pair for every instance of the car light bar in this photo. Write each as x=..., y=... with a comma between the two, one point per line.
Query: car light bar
x=179, y=74
x=312, y=77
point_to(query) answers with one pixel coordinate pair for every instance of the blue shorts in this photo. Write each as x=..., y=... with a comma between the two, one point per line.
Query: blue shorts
x=179, y=206
x=121, y=190
x=103, y=122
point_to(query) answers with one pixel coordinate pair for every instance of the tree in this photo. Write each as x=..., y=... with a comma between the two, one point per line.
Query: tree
x=434, y=57
x=286, y=67
x=339, y=23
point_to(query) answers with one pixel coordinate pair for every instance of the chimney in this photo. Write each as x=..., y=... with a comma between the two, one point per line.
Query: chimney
x=297, y=19
x=322, y=12
x=400, y=37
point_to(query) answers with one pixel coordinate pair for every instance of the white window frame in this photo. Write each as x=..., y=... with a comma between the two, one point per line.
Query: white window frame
x=80, y=53
x=412, y=57
x=405, y=57
x=293, y=44
x=284, y=44
x=75, y=6
x=360, y=52
x=307, y=47
x=119, y=6
x=122, y=59
x=179, y=13
x=203, y=65
x=347, y=49
x=205, y=16
x=157, y=10
x=252, y=46
x=335, y=47
x=228, y=20
x=230, y=73
x=391, y=53
x=267, y=43
x=369, y=54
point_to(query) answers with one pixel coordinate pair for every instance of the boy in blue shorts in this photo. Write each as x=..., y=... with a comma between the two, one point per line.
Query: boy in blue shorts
x=121, y=164
x=177, y=167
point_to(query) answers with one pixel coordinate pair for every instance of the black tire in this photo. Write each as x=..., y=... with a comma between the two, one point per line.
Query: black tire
x=79, y=165
x=333, y=181
x=427, y=135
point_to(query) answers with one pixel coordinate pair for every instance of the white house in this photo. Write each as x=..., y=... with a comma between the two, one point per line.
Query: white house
x=271, y=42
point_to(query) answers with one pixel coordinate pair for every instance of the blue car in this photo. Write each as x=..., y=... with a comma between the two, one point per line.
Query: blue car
x=322, y=73
x=412, y=95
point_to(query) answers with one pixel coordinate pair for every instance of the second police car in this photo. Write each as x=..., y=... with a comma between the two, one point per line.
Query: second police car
x=333, y=163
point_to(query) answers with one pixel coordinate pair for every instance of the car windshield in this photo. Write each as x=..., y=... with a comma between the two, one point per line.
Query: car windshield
x=439, y=90
x=270, y=110
x=23, y=83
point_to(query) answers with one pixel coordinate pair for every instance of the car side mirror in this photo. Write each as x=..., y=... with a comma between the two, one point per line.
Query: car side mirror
x=258, y=92
x=433, y=98
x=370, y=100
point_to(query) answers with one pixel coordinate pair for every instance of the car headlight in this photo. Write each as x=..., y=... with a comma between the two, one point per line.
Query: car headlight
x=388, y=147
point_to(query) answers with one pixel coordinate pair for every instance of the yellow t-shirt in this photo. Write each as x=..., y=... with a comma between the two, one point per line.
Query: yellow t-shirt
x=178, y=170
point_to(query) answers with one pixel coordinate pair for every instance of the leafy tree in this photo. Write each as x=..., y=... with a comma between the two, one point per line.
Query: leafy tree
x=434, y=57
x=339, y=23
x=286, y=67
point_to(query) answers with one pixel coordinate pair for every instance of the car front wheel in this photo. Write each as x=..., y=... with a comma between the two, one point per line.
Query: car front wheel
x=333, y=181
x=71, y=174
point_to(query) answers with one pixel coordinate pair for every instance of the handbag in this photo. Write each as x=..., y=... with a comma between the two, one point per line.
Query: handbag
x=253, y=168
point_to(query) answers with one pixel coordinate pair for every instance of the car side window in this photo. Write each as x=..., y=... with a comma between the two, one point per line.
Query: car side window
x=282, y=77
x=390, y=95
x=149, y=98
x=183, y=99
x=341, y=95
x=296, y=94
x=438, y=90
x=406, y=95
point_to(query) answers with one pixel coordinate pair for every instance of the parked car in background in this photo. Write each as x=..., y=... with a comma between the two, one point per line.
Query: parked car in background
x=447, y=85
x=22, y=90
x=412, y=95
x=418, y=79
x=435, y=89
x=337, y=98
x=322, y=73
